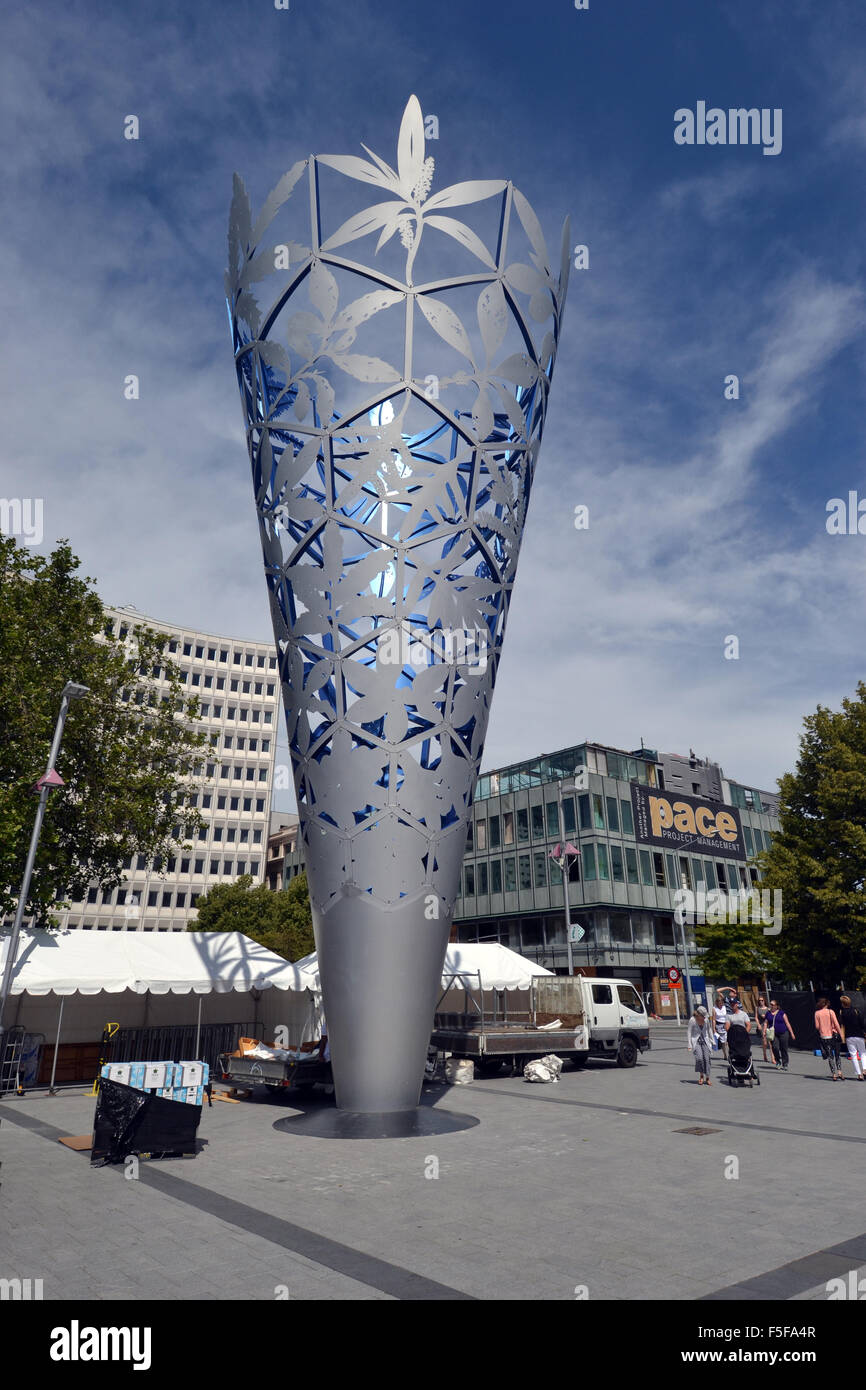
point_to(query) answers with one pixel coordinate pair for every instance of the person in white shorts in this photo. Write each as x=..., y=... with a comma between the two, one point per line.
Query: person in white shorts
x=720, y=1023
x=853, y=1030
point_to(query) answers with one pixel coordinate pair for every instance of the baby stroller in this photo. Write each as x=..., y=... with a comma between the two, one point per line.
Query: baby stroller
x=740, y=1066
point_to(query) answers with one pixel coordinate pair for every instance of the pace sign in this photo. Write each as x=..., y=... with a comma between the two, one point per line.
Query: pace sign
x=674, y=821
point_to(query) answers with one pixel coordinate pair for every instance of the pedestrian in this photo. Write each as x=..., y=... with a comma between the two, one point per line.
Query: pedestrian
x=853, y=1034
x=830, y=1033
x=701, y=1044
x=720, y=1020
x=737, y=1015
x=760, y=1019
x=777, y=1029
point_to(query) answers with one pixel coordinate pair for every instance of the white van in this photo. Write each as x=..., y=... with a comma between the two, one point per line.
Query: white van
x=616, y=1021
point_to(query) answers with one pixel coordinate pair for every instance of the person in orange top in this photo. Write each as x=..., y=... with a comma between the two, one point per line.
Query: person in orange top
x=830, y=1033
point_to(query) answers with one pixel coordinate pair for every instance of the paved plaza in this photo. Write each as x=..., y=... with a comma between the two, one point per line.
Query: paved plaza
x=589, y=1188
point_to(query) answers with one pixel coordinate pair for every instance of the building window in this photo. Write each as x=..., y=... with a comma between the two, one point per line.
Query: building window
x=218, y=833
x=510, y=875
x=91, y=895
x=646, y=872
x=697, y=872
x=589, y=874
x=685, y=873
x=552, y=812
x=508, y=828
x=664, y=931
x=603, y=869
x=199, y=866
x=270, y=690
x=747, y=836
x=184, y=866
x=673, y=877
x=659, y=868
x=525, y=870
x=260, y=803
x=598, y=811
x=631, y=865
x=538, y=822
x=221, y=803
x=482, y=879
x=568, y=815
x=272, y=663
x=733, y=878
x=481, y=834
x=540, y=859
x=187, y=648
x=585, y=812
x=720, y=877
x=257, y=837
x=494, y=832
x=248, y=803
x=616, y=864
x=522, y=826
x=151, y=898
x=496, y=875
x=166, y=899
x=469, y=882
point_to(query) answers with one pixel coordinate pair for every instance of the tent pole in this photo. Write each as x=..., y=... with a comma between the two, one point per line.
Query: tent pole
x=51, y=1090
x=197, y=1029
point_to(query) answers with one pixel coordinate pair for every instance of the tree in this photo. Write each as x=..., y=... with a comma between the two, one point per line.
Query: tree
x=128, y=751
x=282, y=921
x=818, y=858
x=731, y=949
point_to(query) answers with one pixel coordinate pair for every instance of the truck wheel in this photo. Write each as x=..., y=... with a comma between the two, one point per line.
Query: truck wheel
x=627, y=1055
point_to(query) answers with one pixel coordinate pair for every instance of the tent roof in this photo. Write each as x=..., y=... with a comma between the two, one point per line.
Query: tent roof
x=83, y=962
x=499, y=967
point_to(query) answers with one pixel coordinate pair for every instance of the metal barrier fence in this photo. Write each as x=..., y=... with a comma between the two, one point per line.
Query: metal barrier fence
x=177, y=1042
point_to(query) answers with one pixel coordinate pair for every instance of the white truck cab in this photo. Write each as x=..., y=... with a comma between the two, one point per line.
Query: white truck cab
x=616, y=1021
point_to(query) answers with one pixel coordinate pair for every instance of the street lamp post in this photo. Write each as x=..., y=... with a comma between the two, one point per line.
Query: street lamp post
x=564, y=870
x=47, y=781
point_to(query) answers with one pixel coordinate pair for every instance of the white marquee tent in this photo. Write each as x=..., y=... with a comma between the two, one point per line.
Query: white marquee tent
x=497, y=967
x=74, y=982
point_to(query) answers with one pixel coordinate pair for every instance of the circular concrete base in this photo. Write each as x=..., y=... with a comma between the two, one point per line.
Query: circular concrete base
x=352, y=1124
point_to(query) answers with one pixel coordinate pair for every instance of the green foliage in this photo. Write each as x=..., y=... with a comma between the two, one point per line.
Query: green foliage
x=125, y=763
x=732, y=949
x=818, y=859
x=281, y=921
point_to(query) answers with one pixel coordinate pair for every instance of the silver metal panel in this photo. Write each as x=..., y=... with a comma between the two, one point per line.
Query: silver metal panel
x=394, y=393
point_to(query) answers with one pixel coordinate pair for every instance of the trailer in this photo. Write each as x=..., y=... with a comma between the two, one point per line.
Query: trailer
x=573, y=1017
x=277, y=1076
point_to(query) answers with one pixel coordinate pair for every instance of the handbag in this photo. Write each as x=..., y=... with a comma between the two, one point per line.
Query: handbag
x=771, y=1033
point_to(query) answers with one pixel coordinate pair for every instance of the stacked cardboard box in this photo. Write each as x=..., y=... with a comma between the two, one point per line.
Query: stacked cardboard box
x=179, y=1081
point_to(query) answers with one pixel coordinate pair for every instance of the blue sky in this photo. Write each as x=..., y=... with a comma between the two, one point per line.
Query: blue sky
x=707, y=516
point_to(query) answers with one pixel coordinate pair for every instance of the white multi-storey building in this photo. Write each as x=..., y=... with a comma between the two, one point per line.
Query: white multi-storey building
x=237, y=684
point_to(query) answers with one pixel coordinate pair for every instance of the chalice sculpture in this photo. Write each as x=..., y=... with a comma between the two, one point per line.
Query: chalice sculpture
x=394, y=404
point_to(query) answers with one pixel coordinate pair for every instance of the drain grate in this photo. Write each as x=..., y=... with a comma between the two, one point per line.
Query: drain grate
x=696, y=1129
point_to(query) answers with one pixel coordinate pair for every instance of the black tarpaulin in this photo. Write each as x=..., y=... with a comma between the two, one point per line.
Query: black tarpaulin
x=129, y=1121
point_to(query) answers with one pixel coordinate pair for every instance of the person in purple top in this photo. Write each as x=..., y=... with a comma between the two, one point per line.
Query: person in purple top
x=777, y=1027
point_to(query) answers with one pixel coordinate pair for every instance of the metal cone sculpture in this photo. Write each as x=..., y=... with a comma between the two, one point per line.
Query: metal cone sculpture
x=394, y=407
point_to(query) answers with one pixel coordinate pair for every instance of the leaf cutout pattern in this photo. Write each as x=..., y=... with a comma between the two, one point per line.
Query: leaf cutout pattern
x=378, y=533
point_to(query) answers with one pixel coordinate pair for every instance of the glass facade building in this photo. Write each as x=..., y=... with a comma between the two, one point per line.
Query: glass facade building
x=621, y=890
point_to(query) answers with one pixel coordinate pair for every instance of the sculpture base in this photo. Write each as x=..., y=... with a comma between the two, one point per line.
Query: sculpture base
x=353, y=1124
